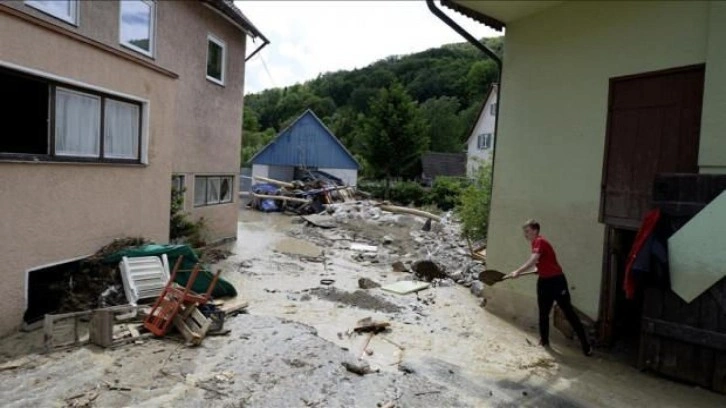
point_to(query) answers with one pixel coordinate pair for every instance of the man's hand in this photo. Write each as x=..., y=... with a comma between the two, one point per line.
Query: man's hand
x=514, y=274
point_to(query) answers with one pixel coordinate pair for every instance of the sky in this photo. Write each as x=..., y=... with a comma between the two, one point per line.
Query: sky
x=312, y=37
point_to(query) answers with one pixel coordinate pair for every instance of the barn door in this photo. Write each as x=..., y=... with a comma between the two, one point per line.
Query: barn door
x=654, y=124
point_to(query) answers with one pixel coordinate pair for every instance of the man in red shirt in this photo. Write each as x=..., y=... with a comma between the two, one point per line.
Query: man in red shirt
x=551, y=286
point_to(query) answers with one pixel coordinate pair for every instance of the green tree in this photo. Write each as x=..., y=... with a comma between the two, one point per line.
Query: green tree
x=443, y=127
x=394, y=136
x=475, y=200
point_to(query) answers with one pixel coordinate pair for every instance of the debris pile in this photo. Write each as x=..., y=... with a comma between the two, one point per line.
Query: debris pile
x=379, y=233
x=306, y=196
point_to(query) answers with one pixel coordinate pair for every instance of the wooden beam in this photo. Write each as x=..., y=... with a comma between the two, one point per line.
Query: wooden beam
x=412, y=211
x=684, y=333
x=273, y=181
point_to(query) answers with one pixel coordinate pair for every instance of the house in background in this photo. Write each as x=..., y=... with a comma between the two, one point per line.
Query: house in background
x=435, y=165
x=480, y=145
x=306, y=144
x=102, y=102
x=609, y=109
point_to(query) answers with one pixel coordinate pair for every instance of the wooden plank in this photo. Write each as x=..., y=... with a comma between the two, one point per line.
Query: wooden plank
x=686, y=334
x=101, y=328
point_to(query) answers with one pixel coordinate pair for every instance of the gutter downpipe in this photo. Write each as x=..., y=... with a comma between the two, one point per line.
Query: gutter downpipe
x=265, y=41
x=489, y=53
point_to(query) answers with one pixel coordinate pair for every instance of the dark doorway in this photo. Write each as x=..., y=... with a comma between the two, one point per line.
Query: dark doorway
x=654, y=123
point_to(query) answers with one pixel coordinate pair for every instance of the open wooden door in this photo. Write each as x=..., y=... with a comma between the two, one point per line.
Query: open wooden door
x=654, y=123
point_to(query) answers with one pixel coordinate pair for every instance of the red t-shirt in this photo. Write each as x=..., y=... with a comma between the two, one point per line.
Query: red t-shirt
x=547, y=266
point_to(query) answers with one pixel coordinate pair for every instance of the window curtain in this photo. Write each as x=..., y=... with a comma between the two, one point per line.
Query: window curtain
x=200, y=191
x=121, y=130
x=212, y=190
x=77, y=124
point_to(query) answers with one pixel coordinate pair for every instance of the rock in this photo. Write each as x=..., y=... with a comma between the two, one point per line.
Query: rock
x=445, y=283
x=427, y=225
x=477, y=289
x=398, y=266
x=358, y=367
x=429, y=270
x=305, y=298
x=365, y=283
x=406, y=368
x=387, y=240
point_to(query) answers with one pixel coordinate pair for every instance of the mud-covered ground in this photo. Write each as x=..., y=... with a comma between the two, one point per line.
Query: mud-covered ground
x=443, y=349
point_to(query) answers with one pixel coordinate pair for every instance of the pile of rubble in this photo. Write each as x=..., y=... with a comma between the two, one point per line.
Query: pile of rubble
x=429, y=246
x=306, y=196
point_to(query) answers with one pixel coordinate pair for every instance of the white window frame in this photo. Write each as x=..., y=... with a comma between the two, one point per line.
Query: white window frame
x=218, y=201
x=487, y=141
x=152, y=30
x=223, y=45
x=72, y=19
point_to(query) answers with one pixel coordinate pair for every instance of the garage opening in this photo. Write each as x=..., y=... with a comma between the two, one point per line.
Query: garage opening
x=47, y=288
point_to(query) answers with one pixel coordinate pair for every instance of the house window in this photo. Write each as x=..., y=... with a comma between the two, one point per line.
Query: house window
x=487, y=141
x=210, y=190
x=177, y=182
x=137, y=25
x=66, y=10
x=49, y=121
x=493, y=109
x=215, y=60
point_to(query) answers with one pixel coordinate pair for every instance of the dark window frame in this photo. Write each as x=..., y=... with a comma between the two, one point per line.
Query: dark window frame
x=51, y=155
x=206, y=186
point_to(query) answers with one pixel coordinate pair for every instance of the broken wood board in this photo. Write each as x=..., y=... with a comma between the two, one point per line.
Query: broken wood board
x=192, y=324
x=405, y=287
x=66, y=330
x=232, y=307
x=74, y=329
x=356, y=246
x=273, y=181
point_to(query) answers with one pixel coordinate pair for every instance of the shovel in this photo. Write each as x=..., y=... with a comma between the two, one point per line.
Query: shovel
x=492, y=276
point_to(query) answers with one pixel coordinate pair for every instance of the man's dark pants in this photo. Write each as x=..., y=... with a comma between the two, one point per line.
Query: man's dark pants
x=554, y=289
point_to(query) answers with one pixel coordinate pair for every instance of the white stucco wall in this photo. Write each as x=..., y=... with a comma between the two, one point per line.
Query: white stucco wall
x=260, y=170
x=350, y=177
x=484, y=124
x=552, y=125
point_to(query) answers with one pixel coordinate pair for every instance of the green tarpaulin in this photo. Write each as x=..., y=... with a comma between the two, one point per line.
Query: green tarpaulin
x=173, y=252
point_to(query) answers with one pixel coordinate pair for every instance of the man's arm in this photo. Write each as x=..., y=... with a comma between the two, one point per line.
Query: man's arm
x=531, y=262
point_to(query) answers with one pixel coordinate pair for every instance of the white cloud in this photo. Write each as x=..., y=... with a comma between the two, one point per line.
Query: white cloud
x=312, y=37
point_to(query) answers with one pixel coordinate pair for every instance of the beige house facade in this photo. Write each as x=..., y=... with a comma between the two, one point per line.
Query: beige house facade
x=572, y=75
x=103, y=102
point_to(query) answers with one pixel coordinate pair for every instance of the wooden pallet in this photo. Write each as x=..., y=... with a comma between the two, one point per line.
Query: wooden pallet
x=192, y=324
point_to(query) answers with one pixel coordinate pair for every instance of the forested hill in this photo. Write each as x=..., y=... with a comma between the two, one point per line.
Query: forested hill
x=448, y=85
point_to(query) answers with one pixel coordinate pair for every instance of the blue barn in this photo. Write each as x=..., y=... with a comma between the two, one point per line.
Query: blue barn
x=306, y=144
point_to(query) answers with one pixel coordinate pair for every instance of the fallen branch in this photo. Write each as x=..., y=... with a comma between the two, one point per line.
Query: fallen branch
x=412, y=211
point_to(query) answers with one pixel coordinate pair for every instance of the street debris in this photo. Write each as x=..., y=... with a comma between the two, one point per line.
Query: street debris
x=359, y=367
x=356, y=246
x=307, y=196
x=365, y=283
x=369, y=325
x=360, y=299
x=405, y=287
x=399, y=266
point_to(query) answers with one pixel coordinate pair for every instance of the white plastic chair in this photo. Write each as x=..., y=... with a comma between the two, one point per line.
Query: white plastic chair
x=144, y=277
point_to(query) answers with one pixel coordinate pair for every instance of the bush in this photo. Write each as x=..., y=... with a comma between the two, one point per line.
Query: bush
x=475, y=201
x=446, y=192
x=407, y=192
x=181, y=229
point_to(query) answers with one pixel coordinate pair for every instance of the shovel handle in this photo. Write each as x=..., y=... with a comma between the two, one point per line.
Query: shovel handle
x=521, y=274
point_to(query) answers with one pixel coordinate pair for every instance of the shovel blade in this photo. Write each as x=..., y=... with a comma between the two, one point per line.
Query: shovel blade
x=491, y=276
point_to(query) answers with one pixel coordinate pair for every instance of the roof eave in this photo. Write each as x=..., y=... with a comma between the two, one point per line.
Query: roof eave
x=235, y=16
x=473, y=14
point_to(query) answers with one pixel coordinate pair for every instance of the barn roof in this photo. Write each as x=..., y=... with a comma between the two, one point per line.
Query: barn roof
x=307, y=142
x=444, y=164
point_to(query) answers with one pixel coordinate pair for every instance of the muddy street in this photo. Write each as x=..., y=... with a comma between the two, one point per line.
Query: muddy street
x=296, y=346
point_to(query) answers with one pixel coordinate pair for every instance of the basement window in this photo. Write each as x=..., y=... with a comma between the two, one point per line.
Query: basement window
x=215, y=59
x=210, y=190
x=49, y=121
